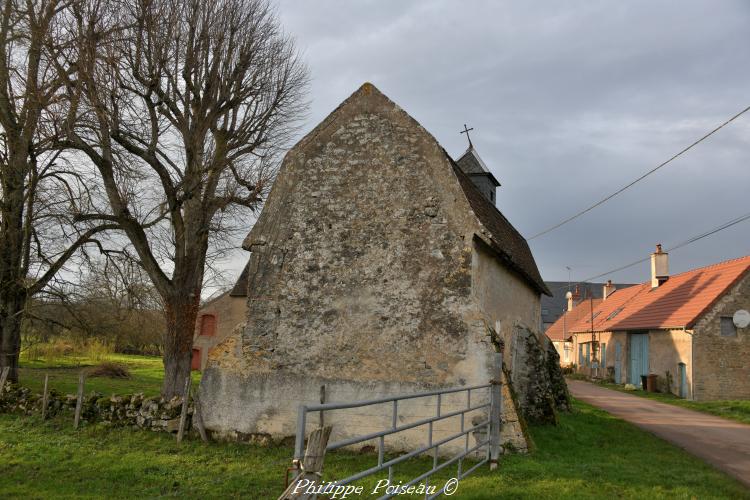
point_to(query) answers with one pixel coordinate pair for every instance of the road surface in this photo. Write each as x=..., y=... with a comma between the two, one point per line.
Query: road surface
x=721, y=442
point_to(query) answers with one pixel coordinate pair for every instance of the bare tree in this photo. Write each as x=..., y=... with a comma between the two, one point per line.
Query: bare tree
x=183, y=108
x=40, y=191
x=110, y=301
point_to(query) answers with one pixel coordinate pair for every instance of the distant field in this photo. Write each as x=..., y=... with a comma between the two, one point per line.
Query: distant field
x=735, y=410
x=147, y=374
x=589, y=455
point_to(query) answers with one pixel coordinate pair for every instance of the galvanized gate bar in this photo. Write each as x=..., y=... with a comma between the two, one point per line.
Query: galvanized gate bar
x=412, y=454
x=375, y=435
x=443, y=466
x=369, y=402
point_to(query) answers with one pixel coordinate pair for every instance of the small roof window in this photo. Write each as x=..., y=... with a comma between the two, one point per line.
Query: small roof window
x=614, y=313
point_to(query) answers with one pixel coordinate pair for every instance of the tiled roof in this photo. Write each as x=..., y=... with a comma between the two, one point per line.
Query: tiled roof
x=561, y=329
x=677, y=303
x=554, y=305
x=505, y=240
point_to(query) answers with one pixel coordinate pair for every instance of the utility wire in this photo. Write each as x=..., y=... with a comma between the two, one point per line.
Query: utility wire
x=606, y=199
x=687, y=242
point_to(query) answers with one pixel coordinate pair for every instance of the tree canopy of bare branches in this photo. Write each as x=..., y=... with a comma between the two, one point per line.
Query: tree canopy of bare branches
x=183, y=106
x=40, y=189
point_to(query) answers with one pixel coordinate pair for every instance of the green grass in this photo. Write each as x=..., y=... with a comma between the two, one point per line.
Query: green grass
x=589, y=455
x=147, y=374
x=734, y=410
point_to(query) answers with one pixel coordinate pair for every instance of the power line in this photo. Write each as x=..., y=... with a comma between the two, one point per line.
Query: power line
x=687, y=242
x=607, y=198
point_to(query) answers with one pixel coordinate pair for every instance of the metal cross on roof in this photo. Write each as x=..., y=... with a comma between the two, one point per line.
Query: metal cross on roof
x=466, y=131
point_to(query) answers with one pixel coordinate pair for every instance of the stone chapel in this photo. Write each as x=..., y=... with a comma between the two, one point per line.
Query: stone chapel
x=380, y=266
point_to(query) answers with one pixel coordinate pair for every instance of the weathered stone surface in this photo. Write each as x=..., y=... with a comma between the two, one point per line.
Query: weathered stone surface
x=721, y=369
x=559, y=389
x=368, y=274
x=126, y=410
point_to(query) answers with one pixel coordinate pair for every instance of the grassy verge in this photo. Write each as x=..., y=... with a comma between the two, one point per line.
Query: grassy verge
x=735, y=410
x=147, y=374
x=590, y=455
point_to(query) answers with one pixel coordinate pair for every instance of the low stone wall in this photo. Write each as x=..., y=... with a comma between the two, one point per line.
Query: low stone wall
x=130, y=410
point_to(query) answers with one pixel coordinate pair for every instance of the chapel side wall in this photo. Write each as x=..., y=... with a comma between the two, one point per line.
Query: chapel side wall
x=721, y=366
x=512, y=309
x=506, y=299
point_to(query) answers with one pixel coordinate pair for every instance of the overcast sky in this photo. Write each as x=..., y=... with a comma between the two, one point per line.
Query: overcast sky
x=569, y=101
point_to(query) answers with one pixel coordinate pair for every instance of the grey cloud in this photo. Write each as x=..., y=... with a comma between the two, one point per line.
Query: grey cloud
x=569, y=100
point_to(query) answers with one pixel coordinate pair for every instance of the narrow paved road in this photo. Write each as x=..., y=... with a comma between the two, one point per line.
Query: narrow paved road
x=720, y=442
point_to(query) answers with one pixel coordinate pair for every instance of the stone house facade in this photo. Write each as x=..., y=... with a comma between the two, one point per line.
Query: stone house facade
x=679, y=328
x=379, y=268
x=216, y=320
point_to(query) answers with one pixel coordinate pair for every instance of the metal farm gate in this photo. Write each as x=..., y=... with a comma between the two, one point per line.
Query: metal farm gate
x=487, y=397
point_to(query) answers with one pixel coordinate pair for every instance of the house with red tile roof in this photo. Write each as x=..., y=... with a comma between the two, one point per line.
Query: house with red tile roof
x=686, y=329
x=560, y=332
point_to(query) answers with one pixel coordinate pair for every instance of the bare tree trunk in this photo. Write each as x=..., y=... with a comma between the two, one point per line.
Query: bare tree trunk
x=11, y=313
x=12, y=269
x=181, y=313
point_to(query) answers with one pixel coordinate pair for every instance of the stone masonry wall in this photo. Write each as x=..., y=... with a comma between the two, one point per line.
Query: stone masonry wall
x=133, y=410
x=721, y=368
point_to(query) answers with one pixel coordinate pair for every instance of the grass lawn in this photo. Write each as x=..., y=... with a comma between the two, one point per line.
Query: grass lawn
x=735, y=410
x=147, y=374
x=590, y=455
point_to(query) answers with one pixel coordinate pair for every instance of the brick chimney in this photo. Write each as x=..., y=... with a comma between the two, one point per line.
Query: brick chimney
x=659, y=267
x=608, y=290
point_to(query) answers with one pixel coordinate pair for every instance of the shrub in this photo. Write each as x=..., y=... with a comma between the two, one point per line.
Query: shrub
x=96, y=350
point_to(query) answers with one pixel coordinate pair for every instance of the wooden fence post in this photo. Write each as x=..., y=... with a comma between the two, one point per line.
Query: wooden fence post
x=183, y=414
x=45, y=397
x=3, y=378
x=79, y=399
x=312, y=465
x=198, y=417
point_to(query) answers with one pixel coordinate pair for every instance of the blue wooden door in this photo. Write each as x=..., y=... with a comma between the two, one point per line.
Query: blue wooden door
x=683, y=380
x=638, y=357
x=618, y=363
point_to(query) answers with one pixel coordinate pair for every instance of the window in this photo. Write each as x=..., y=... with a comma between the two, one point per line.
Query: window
x=614, y=313
x=604, y=355
x=727, y=327
x=208, y=325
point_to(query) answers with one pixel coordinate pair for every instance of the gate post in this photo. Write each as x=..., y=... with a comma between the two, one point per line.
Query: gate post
x=496, y=407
